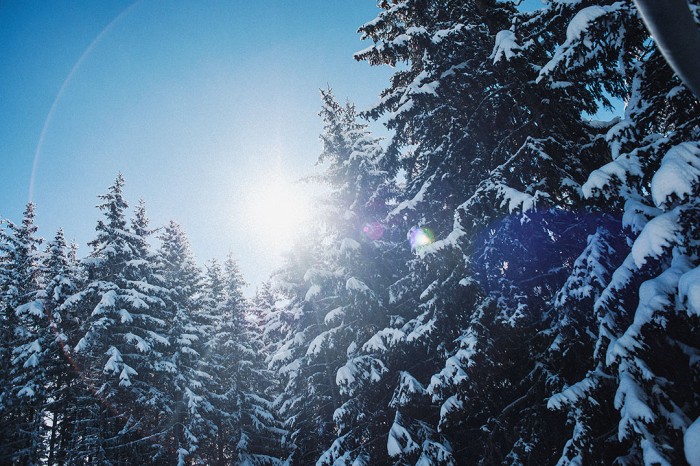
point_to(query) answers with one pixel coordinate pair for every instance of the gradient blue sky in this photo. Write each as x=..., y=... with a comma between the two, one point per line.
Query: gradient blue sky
x=194, y=102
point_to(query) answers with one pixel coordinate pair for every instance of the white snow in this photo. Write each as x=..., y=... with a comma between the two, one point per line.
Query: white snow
x=158, y=338
x=348, y=246
x=411, y=203
x=652, y=456
x=26, y=391
x=382, y=339
x=318, y=343
x=351, y=350
x=572, y=393
x=451, y=404
x=450, y=241
x=419, y=86
x=125, y=316
x=34, y=308
x=516, y=199
x=312, y=292
x=637, y=214
x=114, y=362
x=655, y=295
x=181, y=455
x=453, y=373
x=678, y=175
x=658, y=235
x=125, y=376
x=136, y=299
x=691, y=443
x=630, y=400
x=421, y=330
x=355, y=284
x=619, y=169
x=400, y=441
x=505, y=47
x=32, y=361
x=108, y=301
x=406, y=390
x=334, y=316
x=345, y=376
x=139, y=342
x=32, y=350
x=441, y=34
x=582, y=20
x=689, y=290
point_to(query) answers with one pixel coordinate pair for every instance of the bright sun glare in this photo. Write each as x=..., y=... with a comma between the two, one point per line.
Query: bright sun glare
x=276, y=209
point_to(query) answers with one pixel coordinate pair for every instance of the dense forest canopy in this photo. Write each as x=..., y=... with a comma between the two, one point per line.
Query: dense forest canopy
x=502, y=281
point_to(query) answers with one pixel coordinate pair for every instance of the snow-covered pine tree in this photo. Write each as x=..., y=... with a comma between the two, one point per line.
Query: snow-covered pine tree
x=189, y=327
x=121, y=351
x=325, y=308
x=645, y=359
x=243, y=427
x=265, y=308
x=211, y=444
x=350, y=286
x=22, y=394
x=482, y=141
x=310, y=394
x=446, y=124
x=571, y=340
x=261, y=304
x=62, y=279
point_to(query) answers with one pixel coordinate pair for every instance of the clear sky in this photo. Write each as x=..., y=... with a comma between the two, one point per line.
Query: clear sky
x=203, y=106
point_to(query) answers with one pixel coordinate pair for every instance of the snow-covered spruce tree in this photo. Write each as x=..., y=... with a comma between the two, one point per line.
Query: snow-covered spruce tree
x=348, y=289
x=331, y=304
x=121, y=352
x=72, y=394
x=54, y=376
x=559, y=155
x=211, y=445
x=309, y=395
x=188, y=331
x=568, y=349
x=63, y=277
x=645, y=356
x=23, y=394
x=436, y=104
x=243, y=428
x=261, y=304
x=482, y=140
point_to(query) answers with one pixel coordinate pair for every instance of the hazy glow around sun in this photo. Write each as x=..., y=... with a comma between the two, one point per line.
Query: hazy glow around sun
x=276, y=210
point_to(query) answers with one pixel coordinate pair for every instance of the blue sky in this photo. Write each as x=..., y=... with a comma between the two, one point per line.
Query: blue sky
x=196, y=103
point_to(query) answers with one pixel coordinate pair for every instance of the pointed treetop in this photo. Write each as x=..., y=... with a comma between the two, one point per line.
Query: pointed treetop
x=140, y=221
x=114, y=205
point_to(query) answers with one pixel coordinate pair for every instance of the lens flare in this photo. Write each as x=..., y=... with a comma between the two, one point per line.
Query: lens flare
x=420, y=237
x=373, y=230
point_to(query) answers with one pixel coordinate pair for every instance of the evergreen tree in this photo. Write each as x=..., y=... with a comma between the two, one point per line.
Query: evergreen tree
x=184, y=361
x=643, y=312
x=483, y=144
x=121, y=351
x=243, y=428
x=310, y=395
x=63, y=278
x=23, y=392
x=350, y=286
x=545, y=308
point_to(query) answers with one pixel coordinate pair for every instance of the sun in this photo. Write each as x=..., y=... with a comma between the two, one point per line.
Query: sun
x=276, y=210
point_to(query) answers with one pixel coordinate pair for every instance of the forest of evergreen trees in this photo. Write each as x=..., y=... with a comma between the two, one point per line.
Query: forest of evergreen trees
x=502, y=281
